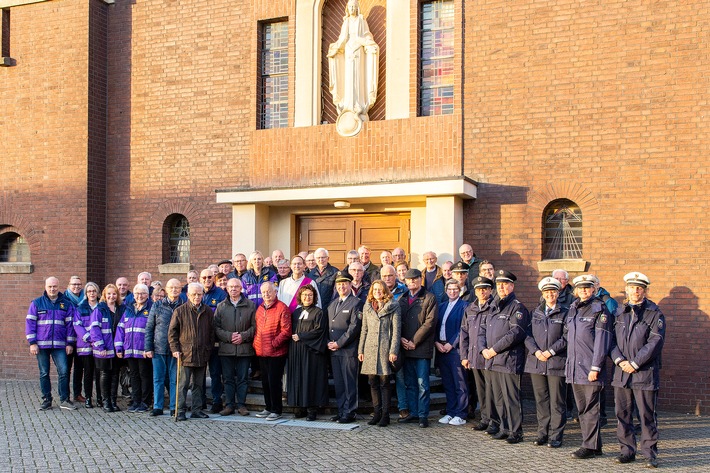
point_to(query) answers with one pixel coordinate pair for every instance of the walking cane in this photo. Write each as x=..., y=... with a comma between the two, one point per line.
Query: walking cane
x=177, y=388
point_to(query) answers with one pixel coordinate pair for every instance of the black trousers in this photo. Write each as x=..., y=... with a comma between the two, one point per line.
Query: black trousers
x=272, y=371
x=85, y=372
x=587, y=398
x=380, y=391
x=484, y=391
x=646, y=402
x=109, y=370
x=550, y=395
x=506, y=396
x=141, y=370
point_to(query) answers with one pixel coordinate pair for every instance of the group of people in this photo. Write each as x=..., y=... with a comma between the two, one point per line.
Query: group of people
x=306, y=319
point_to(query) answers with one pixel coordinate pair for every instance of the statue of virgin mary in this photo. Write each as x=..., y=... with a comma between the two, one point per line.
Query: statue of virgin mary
x=354, y=67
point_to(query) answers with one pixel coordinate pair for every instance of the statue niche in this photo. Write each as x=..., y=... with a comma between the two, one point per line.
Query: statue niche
x=353, y=65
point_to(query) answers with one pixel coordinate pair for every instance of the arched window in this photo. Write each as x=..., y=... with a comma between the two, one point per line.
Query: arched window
x=13, y=248
x=176, y=239
x=562, y=230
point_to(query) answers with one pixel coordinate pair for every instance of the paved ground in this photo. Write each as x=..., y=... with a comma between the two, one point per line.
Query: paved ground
x=92, y=441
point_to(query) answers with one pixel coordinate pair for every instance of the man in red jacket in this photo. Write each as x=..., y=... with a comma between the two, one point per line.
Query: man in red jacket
x=273, y=332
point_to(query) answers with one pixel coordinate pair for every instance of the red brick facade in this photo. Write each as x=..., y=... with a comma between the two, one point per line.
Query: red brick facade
x=117, y=116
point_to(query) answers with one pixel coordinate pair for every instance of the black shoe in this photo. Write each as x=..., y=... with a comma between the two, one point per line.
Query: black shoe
x=88, y=403
x=199, y=415
x=181, y=417
x=299, y=413
x=312, y=416
x=555, y=444
x=346, y=419
x=385, y=421
x=442, y=412
x=623, y=458
x=410, y=419
x=502, y=435
x=46, y=405
x=108, y=407
x=172, y=412
x=540, y=441
x=216, y=407
x=423, y=423
x=156, y=412
x=335, y=418
x=492, y=429
x=651, y=463
x=584, y=453
x=375, y=418
x=514, y=438
x=480, y=427
x=114, y=406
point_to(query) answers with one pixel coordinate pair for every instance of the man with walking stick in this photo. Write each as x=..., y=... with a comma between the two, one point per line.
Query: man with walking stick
x=191, y=337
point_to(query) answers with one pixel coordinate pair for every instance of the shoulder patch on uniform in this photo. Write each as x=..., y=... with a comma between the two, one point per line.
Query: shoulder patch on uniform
x=602, y=318
x=519, y=315
x=660, y=323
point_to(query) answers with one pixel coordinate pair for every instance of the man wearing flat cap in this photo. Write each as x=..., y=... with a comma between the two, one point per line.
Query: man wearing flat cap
x=419, y=316
x=503, y=342
x=344, y=324
x=639, y=333
x=589, y=337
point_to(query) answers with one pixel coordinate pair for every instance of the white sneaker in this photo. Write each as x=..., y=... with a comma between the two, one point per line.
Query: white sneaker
x=457, y=421
x=263, y=414
x=445, y=420
x=273, y=416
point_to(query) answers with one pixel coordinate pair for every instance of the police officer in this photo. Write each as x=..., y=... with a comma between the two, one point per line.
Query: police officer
x=504, y=336
x=459, y=272
x=344, y=324
x=547, y=354
x=589, y=336
x=476, y=315
x=639, y=333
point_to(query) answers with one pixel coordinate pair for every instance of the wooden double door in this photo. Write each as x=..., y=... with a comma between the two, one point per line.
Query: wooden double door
x=342, y=233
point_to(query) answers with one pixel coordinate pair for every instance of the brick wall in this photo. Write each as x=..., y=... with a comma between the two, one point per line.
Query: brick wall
x=598, y=103
x=43, y=123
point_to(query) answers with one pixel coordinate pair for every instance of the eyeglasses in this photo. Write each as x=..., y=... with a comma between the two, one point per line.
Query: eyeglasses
x=76, y=284
x=206, y=277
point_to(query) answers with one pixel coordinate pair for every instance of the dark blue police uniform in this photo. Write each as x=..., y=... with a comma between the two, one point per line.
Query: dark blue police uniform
x=344, y=324
x=639, y=333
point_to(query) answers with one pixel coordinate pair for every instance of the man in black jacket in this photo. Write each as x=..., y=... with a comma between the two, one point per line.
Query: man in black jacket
x=420, y=313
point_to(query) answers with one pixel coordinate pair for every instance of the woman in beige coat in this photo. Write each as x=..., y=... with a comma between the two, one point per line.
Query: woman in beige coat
x=379, y=347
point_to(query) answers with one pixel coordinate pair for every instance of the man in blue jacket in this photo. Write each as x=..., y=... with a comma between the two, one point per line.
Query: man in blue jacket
x=49, y=331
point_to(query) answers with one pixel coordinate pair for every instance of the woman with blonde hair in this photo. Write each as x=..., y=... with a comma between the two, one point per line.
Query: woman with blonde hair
x=104, y=320
x=379, y=347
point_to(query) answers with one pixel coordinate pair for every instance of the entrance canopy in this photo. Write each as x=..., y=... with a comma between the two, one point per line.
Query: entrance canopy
x=266, y=219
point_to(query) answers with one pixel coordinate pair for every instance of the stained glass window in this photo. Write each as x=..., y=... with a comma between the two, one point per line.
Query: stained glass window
x=273, y=85
x=436, y=60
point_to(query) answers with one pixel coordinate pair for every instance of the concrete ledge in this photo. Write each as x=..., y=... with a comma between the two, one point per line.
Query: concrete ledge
x=17, y=3
x=174, y=268
x=569, y=265
x=16, y=268
x=415, y=191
